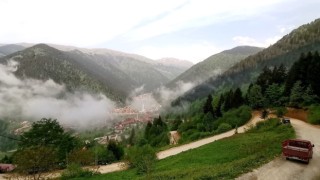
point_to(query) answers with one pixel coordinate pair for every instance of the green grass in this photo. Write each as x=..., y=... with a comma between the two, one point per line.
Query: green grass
x=223, y=159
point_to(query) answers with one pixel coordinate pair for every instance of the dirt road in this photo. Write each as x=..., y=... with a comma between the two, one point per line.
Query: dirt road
x=176, y=150
x=282, y=169
x=196, y=144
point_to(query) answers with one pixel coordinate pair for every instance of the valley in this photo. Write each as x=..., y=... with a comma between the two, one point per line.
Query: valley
x=201, y=94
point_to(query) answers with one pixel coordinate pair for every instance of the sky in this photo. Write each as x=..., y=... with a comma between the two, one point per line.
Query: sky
x=185, y=29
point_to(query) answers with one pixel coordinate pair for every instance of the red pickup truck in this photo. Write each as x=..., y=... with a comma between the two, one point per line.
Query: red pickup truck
x=297, y=149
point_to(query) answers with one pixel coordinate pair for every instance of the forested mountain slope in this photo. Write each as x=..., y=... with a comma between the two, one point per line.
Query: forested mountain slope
x=286, y=51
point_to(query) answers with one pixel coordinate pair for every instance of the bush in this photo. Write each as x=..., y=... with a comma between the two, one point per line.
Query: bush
x=142, y=158
x=81, y=156
x=223, y=127
x=75, y=171
x=314, y=114
x=281, y=111
x=267, y=125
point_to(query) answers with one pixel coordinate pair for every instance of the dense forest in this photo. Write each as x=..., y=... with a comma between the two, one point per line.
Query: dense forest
x=286, y=51
x=276, y=87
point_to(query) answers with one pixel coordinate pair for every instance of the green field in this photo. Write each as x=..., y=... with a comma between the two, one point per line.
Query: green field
x=224, y=159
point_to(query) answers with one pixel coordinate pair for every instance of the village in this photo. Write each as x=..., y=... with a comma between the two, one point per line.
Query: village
x=136, y=115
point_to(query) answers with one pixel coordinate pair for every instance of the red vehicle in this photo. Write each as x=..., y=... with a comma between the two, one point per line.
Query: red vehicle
x=297, y=149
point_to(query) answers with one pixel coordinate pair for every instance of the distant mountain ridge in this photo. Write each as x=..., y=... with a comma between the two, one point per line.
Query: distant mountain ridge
x=215, y=64
x=9, y=49
x=286, y=51
x=114, y=73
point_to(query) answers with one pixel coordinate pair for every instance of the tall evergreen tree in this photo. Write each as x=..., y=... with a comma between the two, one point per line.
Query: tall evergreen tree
x=255, y=97
x=218, y=112
x=237, y=98
x=274, y=95
x=313, y=74
x=208, y=105
x=296, y=96
x=228, y=104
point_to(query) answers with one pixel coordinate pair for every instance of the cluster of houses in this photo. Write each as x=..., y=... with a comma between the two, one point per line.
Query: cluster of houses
x=125, y=110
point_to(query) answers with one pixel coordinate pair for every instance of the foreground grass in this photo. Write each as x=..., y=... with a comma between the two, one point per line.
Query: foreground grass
x=223, y=159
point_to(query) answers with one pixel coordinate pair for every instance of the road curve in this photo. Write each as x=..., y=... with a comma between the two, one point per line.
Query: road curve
x=282, y=169
x=176, y=150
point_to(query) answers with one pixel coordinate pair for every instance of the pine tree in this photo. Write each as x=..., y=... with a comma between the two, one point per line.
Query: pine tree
x=255, y=97
x=296, y=96
x=228, y=104
x=218, y=112
x=237, y=98
x=208, y=105
x=313, y=74
x=132, y=137
x=273, y=95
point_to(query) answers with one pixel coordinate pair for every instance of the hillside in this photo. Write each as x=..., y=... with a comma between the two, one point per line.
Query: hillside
x=216, y=64
x=172, y=67
x=9, y=49
x=44, y=62
x=286, y=51
x=114, y=73
x=125, y=70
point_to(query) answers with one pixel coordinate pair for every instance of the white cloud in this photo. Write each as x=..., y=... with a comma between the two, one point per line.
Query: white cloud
x=75, y=22
x=31, y=99
x=285, y=29
x=88, y=23
x=194, y=52
x=245, y=40
x=197, y=13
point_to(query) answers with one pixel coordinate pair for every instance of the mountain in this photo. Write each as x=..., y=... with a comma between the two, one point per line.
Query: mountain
x=183, y=64
x=168, y=69
x=215, y=64
x=138, y=69
x=114, y=76
x=286, y=51
x=9, y=49
x=44, y=62
x=172, y=67
x=124, y=61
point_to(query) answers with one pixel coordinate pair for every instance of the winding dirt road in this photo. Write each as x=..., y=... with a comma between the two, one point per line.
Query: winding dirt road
x=277, y=169
x=282, y=169
x=176, y=150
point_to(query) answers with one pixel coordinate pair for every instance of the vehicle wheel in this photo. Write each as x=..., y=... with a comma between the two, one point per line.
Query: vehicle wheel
x=307, y=161
x=287, y=158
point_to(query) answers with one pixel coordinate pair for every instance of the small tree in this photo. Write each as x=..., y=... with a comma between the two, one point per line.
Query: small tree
x=35, y=160
x=255, y=97
x=296, y=96
x=48, y=132
x=131, y=140
x=116, y=149
x=81, y=157
x=143, y=158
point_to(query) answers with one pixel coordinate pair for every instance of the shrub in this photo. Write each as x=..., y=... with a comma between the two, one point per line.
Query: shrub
x=281, y=111
x=142, y=158
x=314, y=114
x=75, y=171
x=81, y=156
x=223, y=127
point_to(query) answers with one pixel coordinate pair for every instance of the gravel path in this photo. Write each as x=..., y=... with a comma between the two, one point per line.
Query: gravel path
x=282, y=169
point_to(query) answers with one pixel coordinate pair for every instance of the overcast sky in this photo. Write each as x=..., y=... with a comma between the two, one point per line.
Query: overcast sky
x=185, y=29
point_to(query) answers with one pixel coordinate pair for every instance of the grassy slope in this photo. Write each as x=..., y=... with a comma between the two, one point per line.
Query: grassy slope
x=224, y=159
